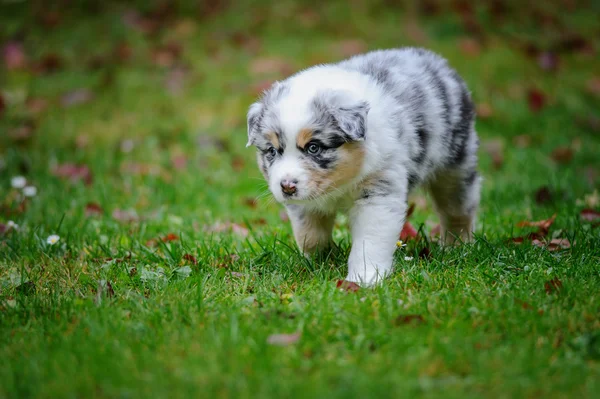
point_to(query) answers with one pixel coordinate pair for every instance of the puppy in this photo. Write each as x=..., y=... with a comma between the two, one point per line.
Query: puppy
x=357, y=136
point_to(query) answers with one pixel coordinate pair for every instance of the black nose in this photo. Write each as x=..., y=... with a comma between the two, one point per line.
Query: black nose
x=288, y=186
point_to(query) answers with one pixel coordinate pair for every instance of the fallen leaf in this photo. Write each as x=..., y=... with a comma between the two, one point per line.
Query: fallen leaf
x=270, y=66
x=74, y=173
x=555, y=244
x=408, y=232
x=522, y=141
x=238, y=163
x=548, y=61
x=77, y=97
x=248, y=42
x=593, y=86
x=410, y=211
x=415, y=32
x=425, y=253
x=562, y=155
x=495, y=149
x=93, y=209
x=543, y=195
x=542, y=224
x=251, y=202
x=170, y=237
x=469, y=46
x=13, y=56
x=179, y=162
x=223, y=227
x=590, y=215
x=122, y=52
x=36, y=105
x=49, y=63
x=484, y=111
x=348, y=286
x=409, y=319
x=175, y=80
x=128, y=215
x=283, y=339
x=536, y=99
x=349, y=47
x=190, y=258
x=2, y=104
x=524, y=304
x=167, y=55
x=554, y=285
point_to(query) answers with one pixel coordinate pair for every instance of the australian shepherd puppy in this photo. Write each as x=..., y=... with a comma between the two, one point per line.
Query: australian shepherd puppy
x=357, y=136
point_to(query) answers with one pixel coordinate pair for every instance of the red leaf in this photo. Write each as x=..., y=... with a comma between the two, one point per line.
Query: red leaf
x=2, y=104
x=408, y=232
x=349, y=286
x=170, y=237
x=542, y=224
x=283, y=339
x=543, y=195
x=554, y=285
x=49, y=63
x=270, y=66
x=536, y=99
x=74, y=173
x=555, y=244
x=350, y=47
x=484, y=111
x=409, y=319
x=14, y=56
x=76, y=97
x=93, y=209
x=251, y=202
x=562, y=155
x=234, y=228
x=127, y=216
x=548, y=61
x=179, y=162
x=590, y=215
x=495, y=149
x=190, y=258
x=470, y=47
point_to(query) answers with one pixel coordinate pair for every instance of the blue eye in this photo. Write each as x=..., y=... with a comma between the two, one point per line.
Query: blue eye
x=313, y=149
x=272, y=151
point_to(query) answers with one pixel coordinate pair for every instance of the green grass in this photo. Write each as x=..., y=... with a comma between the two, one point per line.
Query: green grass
x=490, y=325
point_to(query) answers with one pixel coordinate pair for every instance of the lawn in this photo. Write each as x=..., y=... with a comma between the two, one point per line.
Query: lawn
x=173, y=273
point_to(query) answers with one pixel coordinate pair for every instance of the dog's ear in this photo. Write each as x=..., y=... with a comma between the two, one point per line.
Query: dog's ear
x=344, y=113
x=255, y=115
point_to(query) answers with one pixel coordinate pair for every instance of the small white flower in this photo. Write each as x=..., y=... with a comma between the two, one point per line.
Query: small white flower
x=53, y=239
x=30, y=191
x=12, y=225
x=18, y=182
x=408, y=258
x=526, y=268
x=400, y=244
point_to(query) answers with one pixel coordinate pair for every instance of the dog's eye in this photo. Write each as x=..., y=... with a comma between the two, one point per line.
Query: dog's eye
x=272, y=151
x=313, y=149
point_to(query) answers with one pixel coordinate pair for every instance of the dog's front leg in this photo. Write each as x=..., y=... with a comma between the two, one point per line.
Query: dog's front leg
x=312, y=230
x=376, y=222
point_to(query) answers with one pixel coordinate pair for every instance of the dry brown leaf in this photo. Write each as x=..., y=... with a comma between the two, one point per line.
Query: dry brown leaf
x=283, y=339
x=590, y=215
x=190, y=258
x=554, y=285
x=484, y=111
x=522, y=141
x=542, y=224
x=409, y=319
x=495, y=149
x=93, y=209
x=271, y=66
x=562, y=155
x=74, y=173
x=536, y=99
x=13, y=56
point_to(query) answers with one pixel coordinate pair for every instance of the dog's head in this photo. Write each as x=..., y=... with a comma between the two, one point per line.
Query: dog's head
x=308, y=145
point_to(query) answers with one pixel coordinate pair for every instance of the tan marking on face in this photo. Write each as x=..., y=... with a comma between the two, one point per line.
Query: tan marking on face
x=272, y=137
x=304, y=137
x=348, y=165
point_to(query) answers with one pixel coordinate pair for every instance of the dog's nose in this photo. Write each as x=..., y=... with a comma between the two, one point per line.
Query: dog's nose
x=288, y=186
